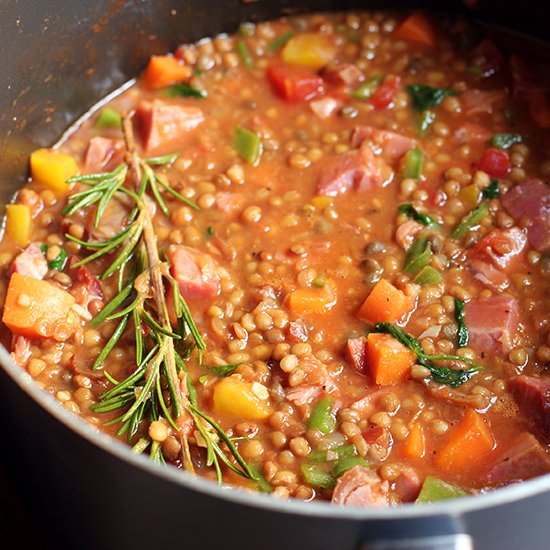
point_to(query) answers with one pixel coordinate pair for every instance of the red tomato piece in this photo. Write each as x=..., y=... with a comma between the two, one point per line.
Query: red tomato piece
x=294, y=84
x=385, y=94
x=495, y=162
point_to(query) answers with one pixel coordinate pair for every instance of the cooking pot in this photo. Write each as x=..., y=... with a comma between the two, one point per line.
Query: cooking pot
x=59, y=57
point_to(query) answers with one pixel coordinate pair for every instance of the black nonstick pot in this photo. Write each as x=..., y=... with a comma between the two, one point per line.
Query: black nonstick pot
x=59, y=57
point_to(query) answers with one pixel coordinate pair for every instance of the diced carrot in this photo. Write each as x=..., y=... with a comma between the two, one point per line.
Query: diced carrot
x=311, y=301
x=385, y=303
x=38, y=309
x=19, y=223
x=164, y=70
x=415, y=444
x=468, y=444
x=389, y=361
x=417, y=28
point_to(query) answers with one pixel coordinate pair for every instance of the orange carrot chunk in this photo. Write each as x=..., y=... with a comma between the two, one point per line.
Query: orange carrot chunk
x=415, y=444
x=468, y=444
x=312, y=301
x=385, y=303
x=389, y=361
x=164, y=70
x=417, y=28
x=38, y=309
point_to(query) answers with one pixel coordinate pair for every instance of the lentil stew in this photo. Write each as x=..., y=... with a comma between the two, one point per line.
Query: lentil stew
x=310, y=259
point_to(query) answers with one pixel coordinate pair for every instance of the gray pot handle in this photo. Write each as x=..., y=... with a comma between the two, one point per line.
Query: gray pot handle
x=459, y=541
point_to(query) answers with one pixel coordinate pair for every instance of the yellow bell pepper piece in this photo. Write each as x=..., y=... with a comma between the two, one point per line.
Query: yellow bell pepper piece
x=19, y=223
x=321, y=202
x=311, y=50
x=52, y=170
x=470, y=194
x=235, y=397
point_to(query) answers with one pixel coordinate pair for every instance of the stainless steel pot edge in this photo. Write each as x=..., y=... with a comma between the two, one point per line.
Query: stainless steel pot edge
x=109, y=445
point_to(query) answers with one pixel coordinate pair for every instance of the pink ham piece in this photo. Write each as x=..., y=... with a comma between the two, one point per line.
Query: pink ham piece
x=103, y=155
x=531, y=199
x=361, y=487
x=390, y=145
x=325, y=106
x=194, y=271
x=470, y=132
x=112, y=221
x=523, y=459
x=20, y=350
x=297, y=331
x=160, y=123
x=406, y=233
x=533, y=398
x=407, y=486
x=31, y=262
x=475, y=102
x=360, y=169
x=356, y=352
x=342, y=74
x=303, y=394
x=488, y=274
x=492, y=323
x=86, y=289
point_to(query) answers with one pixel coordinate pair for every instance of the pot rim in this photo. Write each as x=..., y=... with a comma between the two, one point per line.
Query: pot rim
x=197, y=483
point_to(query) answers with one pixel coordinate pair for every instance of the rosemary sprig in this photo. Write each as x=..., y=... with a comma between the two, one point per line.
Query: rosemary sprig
x=160, y=385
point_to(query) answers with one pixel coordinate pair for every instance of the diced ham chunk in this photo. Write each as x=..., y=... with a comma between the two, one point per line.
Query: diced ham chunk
x=160, y=123
x=492, y=323
x=531, y=199
x=31, y=262
x=229, y=202
x=303, y=394
x=406, y=233
x=195, y=272
x=523, y=459
x=392, y=146
x=502, y=246
x=111, y=223
x=342, y=74
x=103, y=155
x=316, y=373
x=533, y=398
x=481, y=101
x=325, y=106
x=360, y=169
x=361, y=487
x=297, y=331
x=86, y=289
x=488, y=274
x=20, y=350
x=470, y=132
x=408, y=484
x=356, y=352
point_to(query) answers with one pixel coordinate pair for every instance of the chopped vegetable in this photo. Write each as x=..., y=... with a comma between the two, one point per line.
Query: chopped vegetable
x=418, y=255
x=244, y=54
x=443, y=375
x=415, y=444
x=236, y=398
x=246, y=29
x=323, y=417
x=209, y=232
x=412, y=163
x=19, y=223
x=38, y=309
x=471, y=220
x=342, y=466
x=280, y=41
x=462, y=335
x=311, y=301
x=108, y=118
x=385, y=93
x=184, y=90
x=224, y=370
x=468, y=444
x=505, y=141
x=163, y=71
x=428, y=276
x=367, y=88
x=309, y=49
x=470, y=195
x=492, y=191
x=335, y=453
x=263, y=485
x=427, y=118
x=418, y=29
x=423, y=97
x=317, y=477
x=495, y=162
x=389, y=361
x=294, y=84
x=57, y=263
x=384, y=303
x=248, y=144
x=52, y=170
x=411, y=212
x=434, y=490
